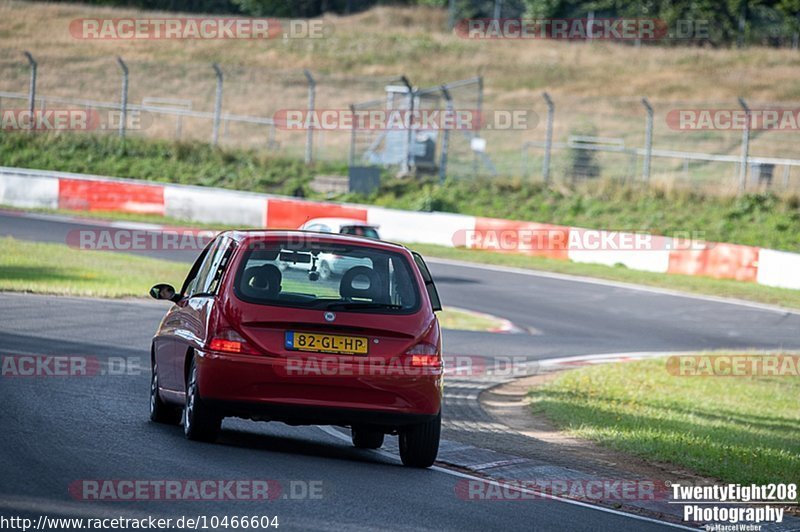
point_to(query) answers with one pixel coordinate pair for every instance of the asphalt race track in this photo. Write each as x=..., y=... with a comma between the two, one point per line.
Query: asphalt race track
x=56, y=431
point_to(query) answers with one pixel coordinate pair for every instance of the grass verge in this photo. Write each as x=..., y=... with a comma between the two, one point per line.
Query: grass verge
x=741, y=430
x=466, y=320
x=57, y=269
x=684, y=283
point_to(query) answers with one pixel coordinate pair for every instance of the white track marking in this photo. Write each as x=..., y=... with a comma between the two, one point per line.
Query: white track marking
x=335, y=433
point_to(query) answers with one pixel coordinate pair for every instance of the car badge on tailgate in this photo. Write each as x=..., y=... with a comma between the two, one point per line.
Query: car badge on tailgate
x=329, y=316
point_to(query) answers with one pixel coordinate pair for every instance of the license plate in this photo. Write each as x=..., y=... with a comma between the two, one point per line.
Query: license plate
x=326, y=343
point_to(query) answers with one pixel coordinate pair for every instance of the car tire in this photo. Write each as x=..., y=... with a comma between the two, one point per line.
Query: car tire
x=419, y=444
x=161, y=412
x=364, y=438
x=199, y=423
x=324, y=270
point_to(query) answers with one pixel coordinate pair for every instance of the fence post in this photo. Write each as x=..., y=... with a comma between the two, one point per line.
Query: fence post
x=32, y=87
x=745, y=147
x=548, y=141
x=648, y=140
x=409, y=159
x=480, y=123
x=451, y=14
x=123, y=98
x=446, y=135
x=217, y=104
x=352, y=158
x=312, y=93
x=498, y=9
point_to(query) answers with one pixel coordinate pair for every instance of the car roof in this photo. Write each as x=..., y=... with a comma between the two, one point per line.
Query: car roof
x=242, y=235
x=340, y=222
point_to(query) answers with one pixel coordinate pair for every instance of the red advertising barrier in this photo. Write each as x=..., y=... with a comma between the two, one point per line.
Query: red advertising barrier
x=528, y=238
x=722, y=261
x=291, y=214
x=85, y=195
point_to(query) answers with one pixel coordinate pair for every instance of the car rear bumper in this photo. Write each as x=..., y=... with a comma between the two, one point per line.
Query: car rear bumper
x=315, y=415
x=276, y=388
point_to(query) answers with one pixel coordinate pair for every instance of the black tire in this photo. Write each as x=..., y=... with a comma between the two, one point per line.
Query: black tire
x=419, y=444
x=324, y=270
x=199, y=424
x=364, y=438
x=161, y=412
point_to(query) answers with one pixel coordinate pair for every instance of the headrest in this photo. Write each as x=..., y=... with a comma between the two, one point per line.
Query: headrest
x=262, y=281
x=360, y=282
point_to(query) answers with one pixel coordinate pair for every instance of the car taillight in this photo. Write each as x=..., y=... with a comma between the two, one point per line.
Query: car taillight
x=230, y=341
x=424, y=354
x=227, y=346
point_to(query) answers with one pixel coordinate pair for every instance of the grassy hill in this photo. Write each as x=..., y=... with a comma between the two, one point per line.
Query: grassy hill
x=387, y=41
x=596, y=86
x=767, y=220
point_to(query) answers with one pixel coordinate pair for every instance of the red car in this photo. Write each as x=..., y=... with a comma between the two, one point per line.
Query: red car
x=248, y=336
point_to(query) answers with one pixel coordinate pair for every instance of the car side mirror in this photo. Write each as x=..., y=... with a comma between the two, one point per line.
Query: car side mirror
x=164, y=291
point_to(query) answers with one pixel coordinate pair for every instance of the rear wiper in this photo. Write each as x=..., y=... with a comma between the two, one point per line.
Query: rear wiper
x=365, y=305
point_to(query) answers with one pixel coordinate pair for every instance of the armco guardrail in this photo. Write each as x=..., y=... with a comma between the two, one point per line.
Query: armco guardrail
x=35, y=188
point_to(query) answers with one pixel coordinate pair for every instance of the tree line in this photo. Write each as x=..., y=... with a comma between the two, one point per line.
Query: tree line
x=725, y=22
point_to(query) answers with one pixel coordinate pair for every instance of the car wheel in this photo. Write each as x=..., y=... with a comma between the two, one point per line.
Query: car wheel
x=324, y=270
x=365, y=438
x=199, y=423
x=161, y=412
x=419, y=444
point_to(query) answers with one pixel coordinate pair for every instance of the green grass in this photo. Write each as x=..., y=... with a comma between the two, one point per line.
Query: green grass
x=190, y=163
x=766, y=220
x=757, y=219
x=737, y=429
x=58, y=269
x=698, y=285
x=465, y=320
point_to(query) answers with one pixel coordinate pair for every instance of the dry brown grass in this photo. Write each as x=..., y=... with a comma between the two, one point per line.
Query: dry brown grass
x=387, y=41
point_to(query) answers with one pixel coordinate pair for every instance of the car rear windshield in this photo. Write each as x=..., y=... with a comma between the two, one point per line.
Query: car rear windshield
x=360, y=230
x=316, y=275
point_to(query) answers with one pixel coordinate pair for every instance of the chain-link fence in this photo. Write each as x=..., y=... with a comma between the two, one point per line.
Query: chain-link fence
x=685, y=143
x=717, y=145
